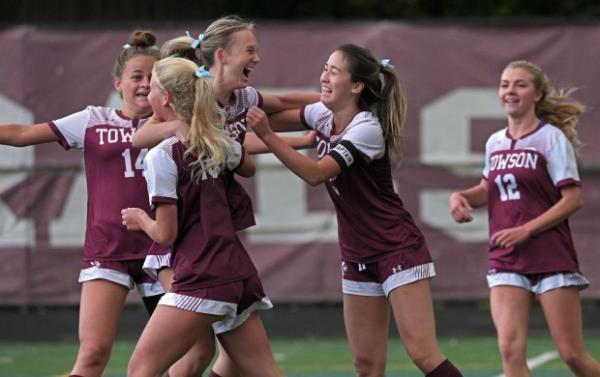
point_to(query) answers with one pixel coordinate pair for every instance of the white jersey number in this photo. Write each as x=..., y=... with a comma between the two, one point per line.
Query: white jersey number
x=507, y=185
x=139, y=162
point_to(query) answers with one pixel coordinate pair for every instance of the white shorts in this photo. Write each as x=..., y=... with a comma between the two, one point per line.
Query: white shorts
x=144, y=288
x=538, y=283
x=381, y=277
x=231, y=319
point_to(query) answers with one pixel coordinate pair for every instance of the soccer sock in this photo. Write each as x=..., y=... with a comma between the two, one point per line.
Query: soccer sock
x=213, y=374
x=74, y=375
x=445, y=369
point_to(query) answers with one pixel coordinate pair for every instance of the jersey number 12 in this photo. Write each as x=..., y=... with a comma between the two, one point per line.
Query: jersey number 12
x=507, y=185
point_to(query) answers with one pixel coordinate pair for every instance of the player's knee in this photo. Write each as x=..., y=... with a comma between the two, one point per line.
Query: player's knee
x=572, y=357
x=511, y=352
x=369, y=366
x=93, y=354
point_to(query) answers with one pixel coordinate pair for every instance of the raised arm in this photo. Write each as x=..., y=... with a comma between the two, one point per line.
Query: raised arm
x=312, y=172
x=254, y=145
x=273, y=103
x=463, y=202
x=20, y=135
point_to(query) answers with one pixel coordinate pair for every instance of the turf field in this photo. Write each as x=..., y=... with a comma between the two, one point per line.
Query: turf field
x=476, y=357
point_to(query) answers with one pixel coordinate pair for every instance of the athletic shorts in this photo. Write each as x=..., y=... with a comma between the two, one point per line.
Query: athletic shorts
x=128, y=273
x=235, y=301
x=537, y=283
x=158, y=257
x=381, y=277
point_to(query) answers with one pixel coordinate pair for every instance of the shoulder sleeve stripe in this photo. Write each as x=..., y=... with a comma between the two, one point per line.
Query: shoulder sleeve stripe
x=61, y=138
x=303, y=118
x=260, y=99
x=568, y=182
x=345, y=153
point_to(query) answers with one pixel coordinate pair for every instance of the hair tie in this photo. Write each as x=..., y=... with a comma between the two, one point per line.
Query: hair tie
x=386, y=63
x=197, y=41
x=127, y=46
x=202, y=73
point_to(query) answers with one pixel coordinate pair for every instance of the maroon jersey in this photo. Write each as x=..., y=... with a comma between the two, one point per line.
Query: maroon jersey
x=207, y=251
x=372, y=221
x=524, y=179
x=235, y=115
x=114, y=173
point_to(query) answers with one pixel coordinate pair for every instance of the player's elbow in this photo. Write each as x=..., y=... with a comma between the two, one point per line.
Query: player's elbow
x=315, y=179
x=166, y=237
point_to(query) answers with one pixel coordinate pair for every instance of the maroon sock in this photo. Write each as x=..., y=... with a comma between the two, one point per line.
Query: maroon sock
x=213, y=374
x=445, y=369
x=74, y=375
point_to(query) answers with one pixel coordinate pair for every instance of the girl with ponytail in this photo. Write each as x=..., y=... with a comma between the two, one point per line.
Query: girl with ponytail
x=215, y=285
x=531, y=187
x=385, y=261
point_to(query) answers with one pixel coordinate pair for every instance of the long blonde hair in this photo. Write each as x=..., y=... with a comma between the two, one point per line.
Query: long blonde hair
x=219, y=34
x=194, y=102
x=384, y=94
x=556, y=107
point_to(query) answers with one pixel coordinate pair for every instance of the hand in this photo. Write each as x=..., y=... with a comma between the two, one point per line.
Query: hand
x=132, y=218
x=460, y=209
x=310, y=139
x=257, y=119
x=510, y=237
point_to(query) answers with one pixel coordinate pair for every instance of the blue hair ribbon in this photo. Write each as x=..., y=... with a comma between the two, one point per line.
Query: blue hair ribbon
x=197, y=41
x=202, y=73
x=386, y=63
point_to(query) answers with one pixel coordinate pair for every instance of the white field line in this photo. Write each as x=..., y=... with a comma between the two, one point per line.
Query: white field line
x=535, y=362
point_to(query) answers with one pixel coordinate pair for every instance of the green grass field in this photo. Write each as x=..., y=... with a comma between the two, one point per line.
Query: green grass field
x=476, y=357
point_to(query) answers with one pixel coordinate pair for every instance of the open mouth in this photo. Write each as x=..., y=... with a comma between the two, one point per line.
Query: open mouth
x=246, y=72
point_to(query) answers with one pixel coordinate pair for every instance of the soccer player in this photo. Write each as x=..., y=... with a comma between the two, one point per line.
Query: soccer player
x=229, y=51
x=215, y=283
x=531, y=186
x=385, y=261
x=113, y=258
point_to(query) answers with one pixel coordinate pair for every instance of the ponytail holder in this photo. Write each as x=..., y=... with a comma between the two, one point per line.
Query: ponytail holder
x=127, y=46
x=197, y=41
x=202, y=73
x=386, y=63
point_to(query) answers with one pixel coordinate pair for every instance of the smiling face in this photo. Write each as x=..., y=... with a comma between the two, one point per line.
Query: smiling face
x=134, y=86
x=517, y=92
x=337, y=88
x=159, y=100
x=239, y=58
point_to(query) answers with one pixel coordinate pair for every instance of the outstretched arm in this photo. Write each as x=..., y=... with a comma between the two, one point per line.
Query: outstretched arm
x=463, y=202
x=273, y=103
x=163, y=230
x=254, y=145
x=20, y=135
x=570, y=202
x=312, y=172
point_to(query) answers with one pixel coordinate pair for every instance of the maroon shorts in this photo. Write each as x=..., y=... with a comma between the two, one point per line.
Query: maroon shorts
x=234, y=301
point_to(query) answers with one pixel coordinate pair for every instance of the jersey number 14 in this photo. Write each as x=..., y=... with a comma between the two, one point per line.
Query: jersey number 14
x=139, y=162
